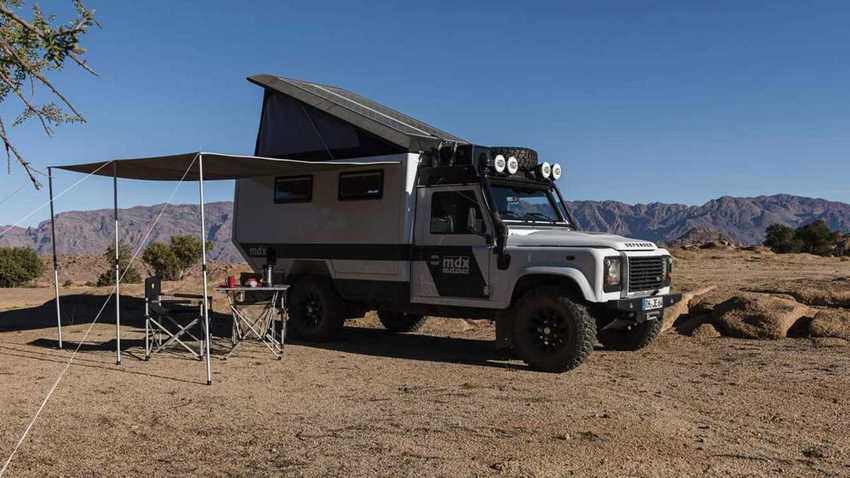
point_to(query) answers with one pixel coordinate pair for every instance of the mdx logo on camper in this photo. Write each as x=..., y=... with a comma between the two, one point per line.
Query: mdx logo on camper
x=455, y=265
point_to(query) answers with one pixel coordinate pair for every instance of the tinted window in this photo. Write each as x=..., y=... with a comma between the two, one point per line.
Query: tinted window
x=450, y=213
x=361, y=185
x=293, y=189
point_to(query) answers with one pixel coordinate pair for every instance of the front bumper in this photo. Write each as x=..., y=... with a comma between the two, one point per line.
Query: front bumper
x=635, y=306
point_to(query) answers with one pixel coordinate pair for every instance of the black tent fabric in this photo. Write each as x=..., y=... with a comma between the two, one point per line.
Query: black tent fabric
x=307, y=120
x=217, y=166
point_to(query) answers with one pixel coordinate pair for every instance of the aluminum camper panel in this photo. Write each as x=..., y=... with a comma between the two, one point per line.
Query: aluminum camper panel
x=361, y=239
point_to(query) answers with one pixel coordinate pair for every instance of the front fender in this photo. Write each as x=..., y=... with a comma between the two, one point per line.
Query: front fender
x=573, y=274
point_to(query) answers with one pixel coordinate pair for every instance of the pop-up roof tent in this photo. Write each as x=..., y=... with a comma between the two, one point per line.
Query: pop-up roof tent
x=302, y=124
x=303, y=120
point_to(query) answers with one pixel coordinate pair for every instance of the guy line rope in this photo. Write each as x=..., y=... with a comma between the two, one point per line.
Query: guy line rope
x=105, y=302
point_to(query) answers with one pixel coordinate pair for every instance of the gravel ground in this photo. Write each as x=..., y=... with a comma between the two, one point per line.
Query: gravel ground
x=436, y=403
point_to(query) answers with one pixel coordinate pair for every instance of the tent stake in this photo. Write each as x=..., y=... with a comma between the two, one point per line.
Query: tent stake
x=204, y=269
x=55, y=261
x=117, y=268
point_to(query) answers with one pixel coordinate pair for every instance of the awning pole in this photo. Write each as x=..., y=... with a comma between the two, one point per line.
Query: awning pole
x=204, y=269
x=117, y=267
x=55, y=261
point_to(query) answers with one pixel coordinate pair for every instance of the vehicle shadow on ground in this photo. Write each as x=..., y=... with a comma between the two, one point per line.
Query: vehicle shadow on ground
x=429, y=348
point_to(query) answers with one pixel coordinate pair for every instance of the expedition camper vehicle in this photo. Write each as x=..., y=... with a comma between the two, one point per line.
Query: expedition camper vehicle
x=423, y=222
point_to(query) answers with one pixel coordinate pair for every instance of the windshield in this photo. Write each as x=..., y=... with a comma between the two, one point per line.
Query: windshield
x=523, y=203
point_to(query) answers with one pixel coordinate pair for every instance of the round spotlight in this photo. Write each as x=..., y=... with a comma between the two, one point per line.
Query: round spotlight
x=513, y=165
x=556, y=171
x=499, y=163
x=545, y=170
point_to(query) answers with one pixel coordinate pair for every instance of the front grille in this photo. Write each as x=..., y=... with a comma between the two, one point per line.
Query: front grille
x=646, y=273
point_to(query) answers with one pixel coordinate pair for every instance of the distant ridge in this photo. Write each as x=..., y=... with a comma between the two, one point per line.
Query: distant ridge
x=742, y=219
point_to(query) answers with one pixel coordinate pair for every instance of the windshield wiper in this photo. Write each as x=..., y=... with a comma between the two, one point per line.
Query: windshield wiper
x=537, y=215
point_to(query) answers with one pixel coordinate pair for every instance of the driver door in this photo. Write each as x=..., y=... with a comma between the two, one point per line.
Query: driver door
x=452, y=248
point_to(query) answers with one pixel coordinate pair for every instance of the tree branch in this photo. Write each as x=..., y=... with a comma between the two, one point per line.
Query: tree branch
x=31, y=28
x=26, y=102
x=31, y=70
x=10, y=150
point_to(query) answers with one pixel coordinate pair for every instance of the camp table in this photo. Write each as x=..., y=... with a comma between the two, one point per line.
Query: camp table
x=258, y=326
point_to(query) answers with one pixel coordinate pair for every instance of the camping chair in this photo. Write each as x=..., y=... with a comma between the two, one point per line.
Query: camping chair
x=163, y=316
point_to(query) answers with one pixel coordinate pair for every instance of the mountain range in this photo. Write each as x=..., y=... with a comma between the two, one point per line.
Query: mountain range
x=741, y=219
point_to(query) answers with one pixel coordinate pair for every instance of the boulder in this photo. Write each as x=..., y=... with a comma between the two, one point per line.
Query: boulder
x=816, y=292
x=683, y=306
x=758, y=316
x=705, y=331
x=831, y=323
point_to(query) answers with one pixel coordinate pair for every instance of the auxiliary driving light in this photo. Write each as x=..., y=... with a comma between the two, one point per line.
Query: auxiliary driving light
x=546, y=170
x=499, y=163
x=556, y=171
x=513, y=165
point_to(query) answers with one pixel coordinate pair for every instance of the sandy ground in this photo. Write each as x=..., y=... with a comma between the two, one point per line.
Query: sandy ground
x=435, y=403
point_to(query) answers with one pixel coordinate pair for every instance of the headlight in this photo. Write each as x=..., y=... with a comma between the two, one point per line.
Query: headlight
x=499, y=163
x=545, y=170
x=513, y=165
x=613, y=273
x=556, y=171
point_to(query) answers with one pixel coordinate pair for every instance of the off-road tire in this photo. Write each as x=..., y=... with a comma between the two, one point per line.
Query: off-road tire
x=552, y=332
x=526, y=157
x=639, y=337
x=400, y=322
x=316, y=312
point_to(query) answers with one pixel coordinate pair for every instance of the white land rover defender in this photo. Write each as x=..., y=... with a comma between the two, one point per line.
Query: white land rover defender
x=412, y=221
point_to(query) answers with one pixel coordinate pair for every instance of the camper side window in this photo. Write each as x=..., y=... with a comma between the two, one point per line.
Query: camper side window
x=456, y=212
x=293, y=189
x=361, y=185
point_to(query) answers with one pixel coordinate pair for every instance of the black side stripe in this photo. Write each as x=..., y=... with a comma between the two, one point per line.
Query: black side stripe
x=361, y=252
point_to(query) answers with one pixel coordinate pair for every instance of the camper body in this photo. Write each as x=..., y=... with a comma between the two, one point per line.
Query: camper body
x=446, y=231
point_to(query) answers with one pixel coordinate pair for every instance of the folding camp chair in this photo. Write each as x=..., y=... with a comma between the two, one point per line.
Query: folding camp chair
x=163, y=317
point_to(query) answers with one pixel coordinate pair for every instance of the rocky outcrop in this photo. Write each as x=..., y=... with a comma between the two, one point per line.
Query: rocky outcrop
x=831, y=323
x=758, y=316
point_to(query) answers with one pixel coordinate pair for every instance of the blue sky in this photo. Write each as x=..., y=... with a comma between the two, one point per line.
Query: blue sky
x=641, y=101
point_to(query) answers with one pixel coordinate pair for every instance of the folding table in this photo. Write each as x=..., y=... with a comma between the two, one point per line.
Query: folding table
x=258, y=326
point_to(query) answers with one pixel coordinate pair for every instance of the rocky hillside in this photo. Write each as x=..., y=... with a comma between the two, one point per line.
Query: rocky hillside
x=741, y=219
x=91, y=232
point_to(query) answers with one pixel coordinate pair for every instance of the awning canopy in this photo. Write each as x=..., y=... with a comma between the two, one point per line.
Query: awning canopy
x=217, y=166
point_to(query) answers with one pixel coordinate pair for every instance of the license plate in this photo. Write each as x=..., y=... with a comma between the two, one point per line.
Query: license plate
x=653, y=303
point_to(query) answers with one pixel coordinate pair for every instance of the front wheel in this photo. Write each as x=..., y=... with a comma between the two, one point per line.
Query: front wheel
x=400, y=322
x=551, y=332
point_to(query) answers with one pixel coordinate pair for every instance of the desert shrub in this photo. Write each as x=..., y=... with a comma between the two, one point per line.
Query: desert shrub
x=817, y=238
x=780, y=239
x=172, y=261
x=814, y=238
x=130, y=274
x=188, y=250
x=163, y=261
x=18, y=265
x=68, y=283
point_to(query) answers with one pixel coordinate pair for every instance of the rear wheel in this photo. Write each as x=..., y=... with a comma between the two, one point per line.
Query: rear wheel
x=636, y=337
x=316, y=312
x=400, y=322
x=551, y=332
